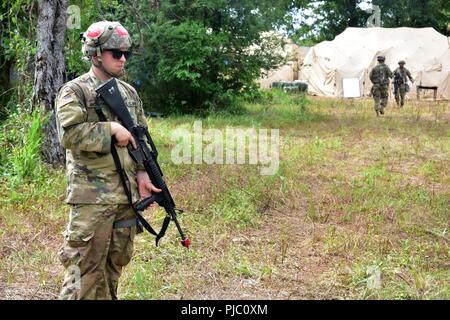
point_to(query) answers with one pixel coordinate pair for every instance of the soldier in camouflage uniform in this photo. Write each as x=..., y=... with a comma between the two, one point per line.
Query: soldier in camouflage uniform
x=401, y=83
x=379, y=76
x=102, y=226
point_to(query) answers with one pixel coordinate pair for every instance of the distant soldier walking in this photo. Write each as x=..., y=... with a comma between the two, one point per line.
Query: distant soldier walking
x=401, y=83
x=379, y=76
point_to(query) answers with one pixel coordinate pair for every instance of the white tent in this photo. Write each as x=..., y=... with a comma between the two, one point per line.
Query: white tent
x=353, y=53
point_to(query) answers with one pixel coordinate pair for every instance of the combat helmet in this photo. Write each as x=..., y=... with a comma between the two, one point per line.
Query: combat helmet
x=402, y=62
x=104, y=35
x=381, y=58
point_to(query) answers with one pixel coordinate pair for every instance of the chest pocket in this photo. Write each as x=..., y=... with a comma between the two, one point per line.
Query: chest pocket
x=92, y=115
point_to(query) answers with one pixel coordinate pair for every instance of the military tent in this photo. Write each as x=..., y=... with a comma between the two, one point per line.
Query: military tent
x=353, y=53
x=293, y=55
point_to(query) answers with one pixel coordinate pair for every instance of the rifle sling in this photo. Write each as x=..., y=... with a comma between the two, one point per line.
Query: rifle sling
x=124, y=178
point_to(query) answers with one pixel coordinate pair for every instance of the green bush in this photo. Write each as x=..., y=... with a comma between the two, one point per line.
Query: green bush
x=200, y=56
x=21, y=139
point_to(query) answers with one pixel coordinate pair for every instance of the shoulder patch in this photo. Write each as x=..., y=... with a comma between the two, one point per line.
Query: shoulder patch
x=66, y=98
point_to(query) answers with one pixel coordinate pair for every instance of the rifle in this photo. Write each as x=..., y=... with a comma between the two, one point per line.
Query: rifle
x=145, y=156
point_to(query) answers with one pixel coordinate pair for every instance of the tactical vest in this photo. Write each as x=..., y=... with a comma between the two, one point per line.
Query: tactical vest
x=379, y=75
x=400, y=76
x=92, y=176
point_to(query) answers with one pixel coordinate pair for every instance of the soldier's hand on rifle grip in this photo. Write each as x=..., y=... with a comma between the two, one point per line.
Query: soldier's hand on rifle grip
x=122, y=135
x=145, y=186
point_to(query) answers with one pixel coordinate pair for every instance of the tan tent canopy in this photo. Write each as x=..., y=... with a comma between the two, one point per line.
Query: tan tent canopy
x=353, y=53
x=294, y=56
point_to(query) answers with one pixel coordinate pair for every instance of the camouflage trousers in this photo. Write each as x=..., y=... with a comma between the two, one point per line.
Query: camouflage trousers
x=94, y=252
x=400, y=94
x=380, y=96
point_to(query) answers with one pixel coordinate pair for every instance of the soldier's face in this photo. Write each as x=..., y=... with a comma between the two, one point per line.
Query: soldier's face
x=113, y=65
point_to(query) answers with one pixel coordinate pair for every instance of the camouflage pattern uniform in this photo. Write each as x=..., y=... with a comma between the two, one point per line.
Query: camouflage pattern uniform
x=379, y=76
x=401, y=83
x=93, y=249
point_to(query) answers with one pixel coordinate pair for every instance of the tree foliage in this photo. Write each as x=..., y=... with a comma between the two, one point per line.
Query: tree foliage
x=17, y=50
x=190, y=55
x=415, y=13
x=200, y=54
x=323, y=20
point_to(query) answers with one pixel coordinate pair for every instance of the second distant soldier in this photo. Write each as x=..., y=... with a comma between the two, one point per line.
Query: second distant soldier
x=379, y=76
x=401, y=83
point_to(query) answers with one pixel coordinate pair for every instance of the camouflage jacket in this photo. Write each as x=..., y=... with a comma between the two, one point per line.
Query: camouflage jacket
x=92, y=175
x=380, y=74
x=401, y=74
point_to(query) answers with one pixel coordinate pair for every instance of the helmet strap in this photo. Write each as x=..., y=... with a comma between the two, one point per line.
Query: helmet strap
x=99, y=54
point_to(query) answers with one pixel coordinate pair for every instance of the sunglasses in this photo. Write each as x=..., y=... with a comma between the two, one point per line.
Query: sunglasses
x=117, y=54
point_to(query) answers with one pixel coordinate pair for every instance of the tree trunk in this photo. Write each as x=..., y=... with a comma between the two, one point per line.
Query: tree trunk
x=50, y=71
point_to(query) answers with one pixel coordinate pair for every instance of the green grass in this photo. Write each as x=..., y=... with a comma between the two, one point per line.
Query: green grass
x=353, y=192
